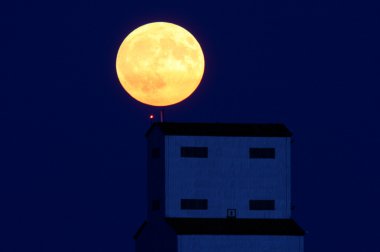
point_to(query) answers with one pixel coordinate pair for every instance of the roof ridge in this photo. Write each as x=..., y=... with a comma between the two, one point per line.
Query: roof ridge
x=222, y=129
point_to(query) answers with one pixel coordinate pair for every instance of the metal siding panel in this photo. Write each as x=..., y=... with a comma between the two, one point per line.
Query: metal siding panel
x=237, y=243
x=167, y=177
x=228, y=177
x=288, y=177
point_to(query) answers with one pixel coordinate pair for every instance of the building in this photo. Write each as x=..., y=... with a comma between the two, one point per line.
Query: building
x=219, y=187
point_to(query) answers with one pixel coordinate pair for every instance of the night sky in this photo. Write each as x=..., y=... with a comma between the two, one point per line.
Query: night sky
x=72, y=145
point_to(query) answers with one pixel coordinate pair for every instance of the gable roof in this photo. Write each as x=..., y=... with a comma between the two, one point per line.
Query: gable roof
x=222, y=129
x=199, y=226
x=139, y=231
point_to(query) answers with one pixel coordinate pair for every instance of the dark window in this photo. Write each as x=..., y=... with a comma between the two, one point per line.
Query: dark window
x=155, y=153
x=155, y=205
x=262, y=153
x=199, y=152
x=194, y=204
x=261, y=205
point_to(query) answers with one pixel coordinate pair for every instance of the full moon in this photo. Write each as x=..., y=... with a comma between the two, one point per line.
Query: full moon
x=160, y=64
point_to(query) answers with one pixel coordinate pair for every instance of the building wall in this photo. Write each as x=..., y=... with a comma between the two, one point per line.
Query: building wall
x=228, y=178
x=156, y=173
x=239, y=243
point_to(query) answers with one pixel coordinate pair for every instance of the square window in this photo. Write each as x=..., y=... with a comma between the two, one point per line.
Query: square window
x=262, y=153
x=194, y=152
x=194, y=204
x=155, y=205
x=261, y=205
x=155, y=153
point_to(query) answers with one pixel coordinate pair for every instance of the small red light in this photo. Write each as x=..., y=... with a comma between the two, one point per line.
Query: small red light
x=151, y=117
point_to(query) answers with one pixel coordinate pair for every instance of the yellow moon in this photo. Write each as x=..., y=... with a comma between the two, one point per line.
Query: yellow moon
x=160, y=64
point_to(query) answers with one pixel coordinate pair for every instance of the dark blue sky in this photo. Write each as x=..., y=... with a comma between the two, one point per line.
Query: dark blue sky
x=72, y=160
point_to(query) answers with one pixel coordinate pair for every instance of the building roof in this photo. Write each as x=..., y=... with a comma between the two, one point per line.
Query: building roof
x=188, y=226
x=230, y=226
x=222, y=129
x=139, y=231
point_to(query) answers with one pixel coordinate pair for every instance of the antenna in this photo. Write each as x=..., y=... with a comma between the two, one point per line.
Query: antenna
x=162, y=115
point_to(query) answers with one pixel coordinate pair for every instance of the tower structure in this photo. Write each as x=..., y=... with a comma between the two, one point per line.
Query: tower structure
x=219, y=187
